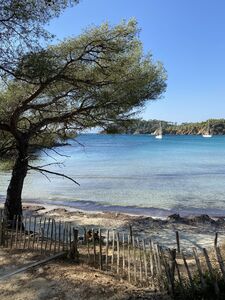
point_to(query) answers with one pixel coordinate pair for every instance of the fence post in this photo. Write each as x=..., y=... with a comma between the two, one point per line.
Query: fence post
x=123, y=244
x=188, y=272
x=74, y=253
x=128, y=257
x=172, y=264
x=131, y=233
x=140, y=259
x=134, y=260
x=178, y=241
x=118, y=252
x=93, y=240
x=203, y=284
x=216, y=239
x=113, y=246
x=100, y=249
x=220, y=261
x=107, y=249
x=209, y=265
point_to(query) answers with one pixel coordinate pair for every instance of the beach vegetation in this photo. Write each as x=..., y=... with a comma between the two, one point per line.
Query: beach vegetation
x=186, y=291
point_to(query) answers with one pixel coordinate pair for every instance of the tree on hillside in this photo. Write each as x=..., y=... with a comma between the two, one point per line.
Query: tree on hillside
x=92, y=80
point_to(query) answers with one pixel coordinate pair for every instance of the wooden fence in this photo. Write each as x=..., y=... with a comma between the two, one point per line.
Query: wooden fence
x=130, y=258
x=142, y=262
x=146, y=263
x=36, y=233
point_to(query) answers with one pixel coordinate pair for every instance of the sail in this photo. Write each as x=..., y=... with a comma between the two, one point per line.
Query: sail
x=159, y=130
x=207, y=132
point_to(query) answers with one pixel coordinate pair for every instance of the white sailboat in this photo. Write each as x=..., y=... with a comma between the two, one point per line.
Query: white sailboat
x=207, y=134
x=159, y=134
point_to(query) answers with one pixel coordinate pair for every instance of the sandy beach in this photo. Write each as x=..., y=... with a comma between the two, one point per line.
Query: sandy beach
x=198, y=231
x=64, y=279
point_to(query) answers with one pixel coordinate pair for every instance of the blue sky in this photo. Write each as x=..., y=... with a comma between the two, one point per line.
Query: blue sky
x=188, y=36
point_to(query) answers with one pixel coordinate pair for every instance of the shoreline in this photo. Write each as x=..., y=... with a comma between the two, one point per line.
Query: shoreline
x=198, y=230
x=89, y=206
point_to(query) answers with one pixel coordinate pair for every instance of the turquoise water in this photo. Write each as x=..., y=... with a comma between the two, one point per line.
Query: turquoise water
x=135, y=173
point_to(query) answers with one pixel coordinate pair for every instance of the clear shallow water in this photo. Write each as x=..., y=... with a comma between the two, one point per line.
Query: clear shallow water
x=136, y=174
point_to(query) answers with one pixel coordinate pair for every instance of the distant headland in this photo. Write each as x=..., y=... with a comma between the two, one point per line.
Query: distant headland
x=139, y=126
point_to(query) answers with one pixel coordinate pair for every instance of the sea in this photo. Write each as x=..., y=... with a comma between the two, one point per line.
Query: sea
x=134, y=174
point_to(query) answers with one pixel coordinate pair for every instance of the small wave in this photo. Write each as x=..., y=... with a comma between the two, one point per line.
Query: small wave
x=94, y=206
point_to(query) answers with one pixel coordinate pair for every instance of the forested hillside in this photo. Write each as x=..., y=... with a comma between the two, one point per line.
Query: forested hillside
x=138, y=126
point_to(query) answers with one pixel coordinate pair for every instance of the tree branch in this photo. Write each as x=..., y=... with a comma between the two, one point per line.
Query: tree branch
x=53, y=173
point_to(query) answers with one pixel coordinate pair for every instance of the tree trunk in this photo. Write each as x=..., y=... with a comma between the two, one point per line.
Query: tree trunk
x=13, y=203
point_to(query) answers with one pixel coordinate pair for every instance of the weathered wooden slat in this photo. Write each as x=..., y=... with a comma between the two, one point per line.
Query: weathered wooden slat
x=29, y=232
x=209, y=265
x=24, y=235
x=107, y=249
x=51, y=234
x=59, y=232
x=140, y=259
x=158, y=262
x=188, y=271
x=178, y=241
x=172, y=264
x=64, y=234
x=74, y=253
x=198, y=264
x=167, y=272
x=70, y=234
x=34, y=231
x=118, y=253
x=220, y=261
x=151, y=262
x=88, y=249
x=85, y=234
x=155, y=261
x=145, y=260
x=55, y=236
x=100, y=249
x=47, y=235
x=113, y=249
x=134, y=259
x=216, y=239
x=94, y=244
x=179, y=275
x=43, y=235
x=128, y=257
x=42, y=239
x=39, y=233
x=131, y=233
x=123, y=252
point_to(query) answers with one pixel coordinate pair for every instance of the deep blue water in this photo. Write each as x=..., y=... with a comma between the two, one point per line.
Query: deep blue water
x=135, y=173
